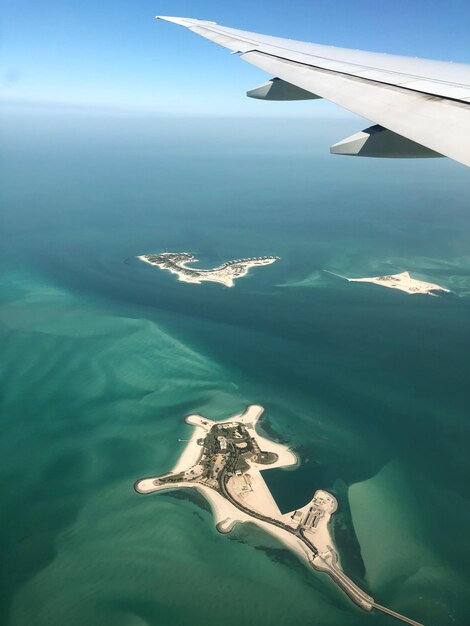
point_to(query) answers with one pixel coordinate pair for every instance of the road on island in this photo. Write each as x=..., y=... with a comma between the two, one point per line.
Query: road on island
x=353, y=591
x=222, y=480
x=356, y=594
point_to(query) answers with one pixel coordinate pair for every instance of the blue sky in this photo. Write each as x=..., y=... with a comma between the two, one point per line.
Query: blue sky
x=113, y=54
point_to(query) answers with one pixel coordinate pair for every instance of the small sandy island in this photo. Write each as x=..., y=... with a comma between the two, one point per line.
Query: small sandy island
x=224, y=461
x=402, y=281
x=176, y=263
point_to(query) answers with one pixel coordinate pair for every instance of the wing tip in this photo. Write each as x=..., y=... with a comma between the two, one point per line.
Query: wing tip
x=169, y=18
x=182, y=21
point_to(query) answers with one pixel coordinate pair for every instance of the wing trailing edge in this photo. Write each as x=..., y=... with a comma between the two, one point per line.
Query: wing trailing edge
x=426, y=102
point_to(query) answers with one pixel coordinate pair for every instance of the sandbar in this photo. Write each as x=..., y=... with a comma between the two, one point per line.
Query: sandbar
x=402, y=281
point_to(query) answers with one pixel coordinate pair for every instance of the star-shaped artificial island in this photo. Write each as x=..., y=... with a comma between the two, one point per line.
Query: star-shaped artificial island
x=224, y=462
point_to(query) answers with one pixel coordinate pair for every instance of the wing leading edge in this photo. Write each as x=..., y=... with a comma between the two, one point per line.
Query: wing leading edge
x=426, y=102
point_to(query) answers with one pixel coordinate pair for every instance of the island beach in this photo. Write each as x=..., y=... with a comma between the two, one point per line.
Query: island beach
x=176, y=263
x=224, y=462
x=403, y=282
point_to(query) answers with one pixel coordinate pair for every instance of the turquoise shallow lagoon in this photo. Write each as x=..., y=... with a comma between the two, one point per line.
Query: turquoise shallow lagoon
x=103, y=356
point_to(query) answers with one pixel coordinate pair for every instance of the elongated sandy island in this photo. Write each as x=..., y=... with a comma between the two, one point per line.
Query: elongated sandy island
x=176, y=263
x=224, y=462
x=402, y=281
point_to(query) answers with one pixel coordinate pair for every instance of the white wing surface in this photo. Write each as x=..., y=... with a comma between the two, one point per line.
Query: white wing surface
x=420, y=107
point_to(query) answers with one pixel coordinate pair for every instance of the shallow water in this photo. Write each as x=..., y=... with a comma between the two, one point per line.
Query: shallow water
x=103, y=358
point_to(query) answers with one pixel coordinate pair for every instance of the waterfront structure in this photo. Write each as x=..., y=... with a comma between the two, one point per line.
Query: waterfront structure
x=176, y=263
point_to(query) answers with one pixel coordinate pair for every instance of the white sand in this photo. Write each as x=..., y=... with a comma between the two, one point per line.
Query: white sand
x=193, y=451
x=251, y=491
x=225, y=274
x=320, y=535
x=249, y=419
x=402, y=281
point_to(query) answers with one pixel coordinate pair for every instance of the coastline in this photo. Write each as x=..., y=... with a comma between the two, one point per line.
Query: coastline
x=226, y=274
x=240, y=494
x=256, y=503
x=402, y=281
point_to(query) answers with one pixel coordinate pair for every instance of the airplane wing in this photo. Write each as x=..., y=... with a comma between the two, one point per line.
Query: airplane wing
x=420, y=108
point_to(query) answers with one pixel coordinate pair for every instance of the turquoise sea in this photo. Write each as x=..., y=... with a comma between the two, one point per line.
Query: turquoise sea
x=103, y=356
